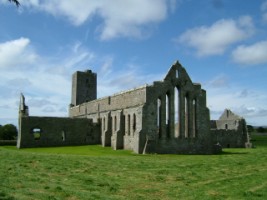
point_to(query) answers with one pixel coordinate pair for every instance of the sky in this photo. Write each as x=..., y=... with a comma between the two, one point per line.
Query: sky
x=221, y=43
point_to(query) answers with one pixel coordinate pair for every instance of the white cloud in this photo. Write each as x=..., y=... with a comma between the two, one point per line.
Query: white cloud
x=215, y=39
x=16, y=52
x=126, y=18
x=219, y=81
x=264, y=13
x=46, y=84
x=248, y=103
x=251, y=55
x=264, y=6
x=264, y=18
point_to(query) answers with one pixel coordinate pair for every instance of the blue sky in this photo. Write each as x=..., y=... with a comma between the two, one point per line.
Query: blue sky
x=128, y=43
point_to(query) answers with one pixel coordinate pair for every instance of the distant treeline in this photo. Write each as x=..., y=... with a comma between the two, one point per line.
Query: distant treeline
x=8, y=132
x=258, y=129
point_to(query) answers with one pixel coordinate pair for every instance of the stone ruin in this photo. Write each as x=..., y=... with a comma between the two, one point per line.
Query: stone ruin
x=167, y=117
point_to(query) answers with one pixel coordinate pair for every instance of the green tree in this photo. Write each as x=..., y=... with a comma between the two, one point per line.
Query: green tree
x=261, y=130
x=15, y=1
x=250, y=128
x=8, y=132
x=1, y=135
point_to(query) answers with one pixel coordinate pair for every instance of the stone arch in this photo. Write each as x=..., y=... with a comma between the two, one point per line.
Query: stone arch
x=115, y=123
x=129, y=124
x=176, y=112
x=168, y=114
x=186, y=116
x=159, y=117
x=194, y=120
x=134, y=123
x=63, y=135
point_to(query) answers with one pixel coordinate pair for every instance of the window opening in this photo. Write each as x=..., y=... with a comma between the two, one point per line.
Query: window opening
x=186, y=116
x=115, y=123
x=63, y=136
x=129, y=125
x=159, y=117
x=176, y=112
x=134, y=122
x=168, y=115
x=36, y=133
x=177, y=73
x=194, y=117
x=104, y=124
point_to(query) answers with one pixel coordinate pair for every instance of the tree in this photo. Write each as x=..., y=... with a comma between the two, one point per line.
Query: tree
x=15, y=1
x=8, y=132
x=261, y=130
x=250, y=128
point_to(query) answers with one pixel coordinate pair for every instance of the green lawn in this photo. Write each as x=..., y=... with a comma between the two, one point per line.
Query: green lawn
x=93, y=172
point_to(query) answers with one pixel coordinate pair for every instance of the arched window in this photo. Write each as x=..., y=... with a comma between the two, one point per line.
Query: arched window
x=176, y=111
x=159, y=117
x=36, y=133
x=134, y=123
x=177, y=73
x=129, y=124
x=104, y=124
x=63, y=135
x=115, y=123
x=194, y=117
x=186, y=116
x=168, y=113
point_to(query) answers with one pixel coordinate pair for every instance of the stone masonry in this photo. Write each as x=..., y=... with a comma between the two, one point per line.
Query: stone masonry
x=169, y=116
x=230, y=130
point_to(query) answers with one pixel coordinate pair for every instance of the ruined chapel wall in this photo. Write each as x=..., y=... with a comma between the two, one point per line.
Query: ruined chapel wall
x=235, y=136
x=229, y=138
x=128, y=99
x=56, y=131
x=165, y=134
x=124, y=109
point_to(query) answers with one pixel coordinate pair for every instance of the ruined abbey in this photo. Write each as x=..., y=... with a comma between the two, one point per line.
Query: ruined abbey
x=169, y=116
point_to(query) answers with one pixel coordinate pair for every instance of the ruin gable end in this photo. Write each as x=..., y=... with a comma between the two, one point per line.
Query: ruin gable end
x=168, y=116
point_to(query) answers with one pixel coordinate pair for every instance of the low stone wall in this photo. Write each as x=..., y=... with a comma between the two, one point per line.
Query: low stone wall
x=56, y=131
x=229, y=138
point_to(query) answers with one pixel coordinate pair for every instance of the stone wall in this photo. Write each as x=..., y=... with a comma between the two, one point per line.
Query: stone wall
x=119, y=116
x=56, y=131
x=230, y=130
x=169, y=116
x=176, y=124
x=230, y=138
x=84, y=87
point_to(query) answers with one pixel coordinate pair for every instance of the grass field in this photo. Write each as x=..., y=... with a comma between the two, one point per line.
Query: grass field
x=93, y=172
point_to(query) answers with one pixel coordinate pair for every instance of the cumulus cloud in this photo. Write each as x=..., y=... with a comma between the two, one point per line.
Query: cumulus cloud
x=246, y=102
x=219, y=81
x=36, y=102
x=215, y=39
x=264, y=6
x=16, y=52
x=251, y=55
x=126, y=18
x=47, y=85
x=264, y=12
x=264, y=18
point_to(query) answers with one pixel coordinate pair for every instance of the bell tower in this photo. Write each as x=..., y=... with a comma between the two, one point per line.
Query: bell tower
x=84, y=87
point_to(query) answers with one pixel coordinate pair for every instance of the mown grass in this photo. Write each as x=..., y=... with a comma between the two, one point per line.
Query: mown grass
x=93, y=172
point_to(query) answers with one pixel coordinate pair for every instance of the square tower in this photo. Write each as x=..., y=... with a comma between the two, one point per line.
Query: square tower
x=84, y=87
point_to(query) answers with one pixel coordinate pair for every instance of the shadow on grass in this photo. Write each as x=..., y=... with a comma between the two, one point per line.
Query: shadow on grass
x=232, y=153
